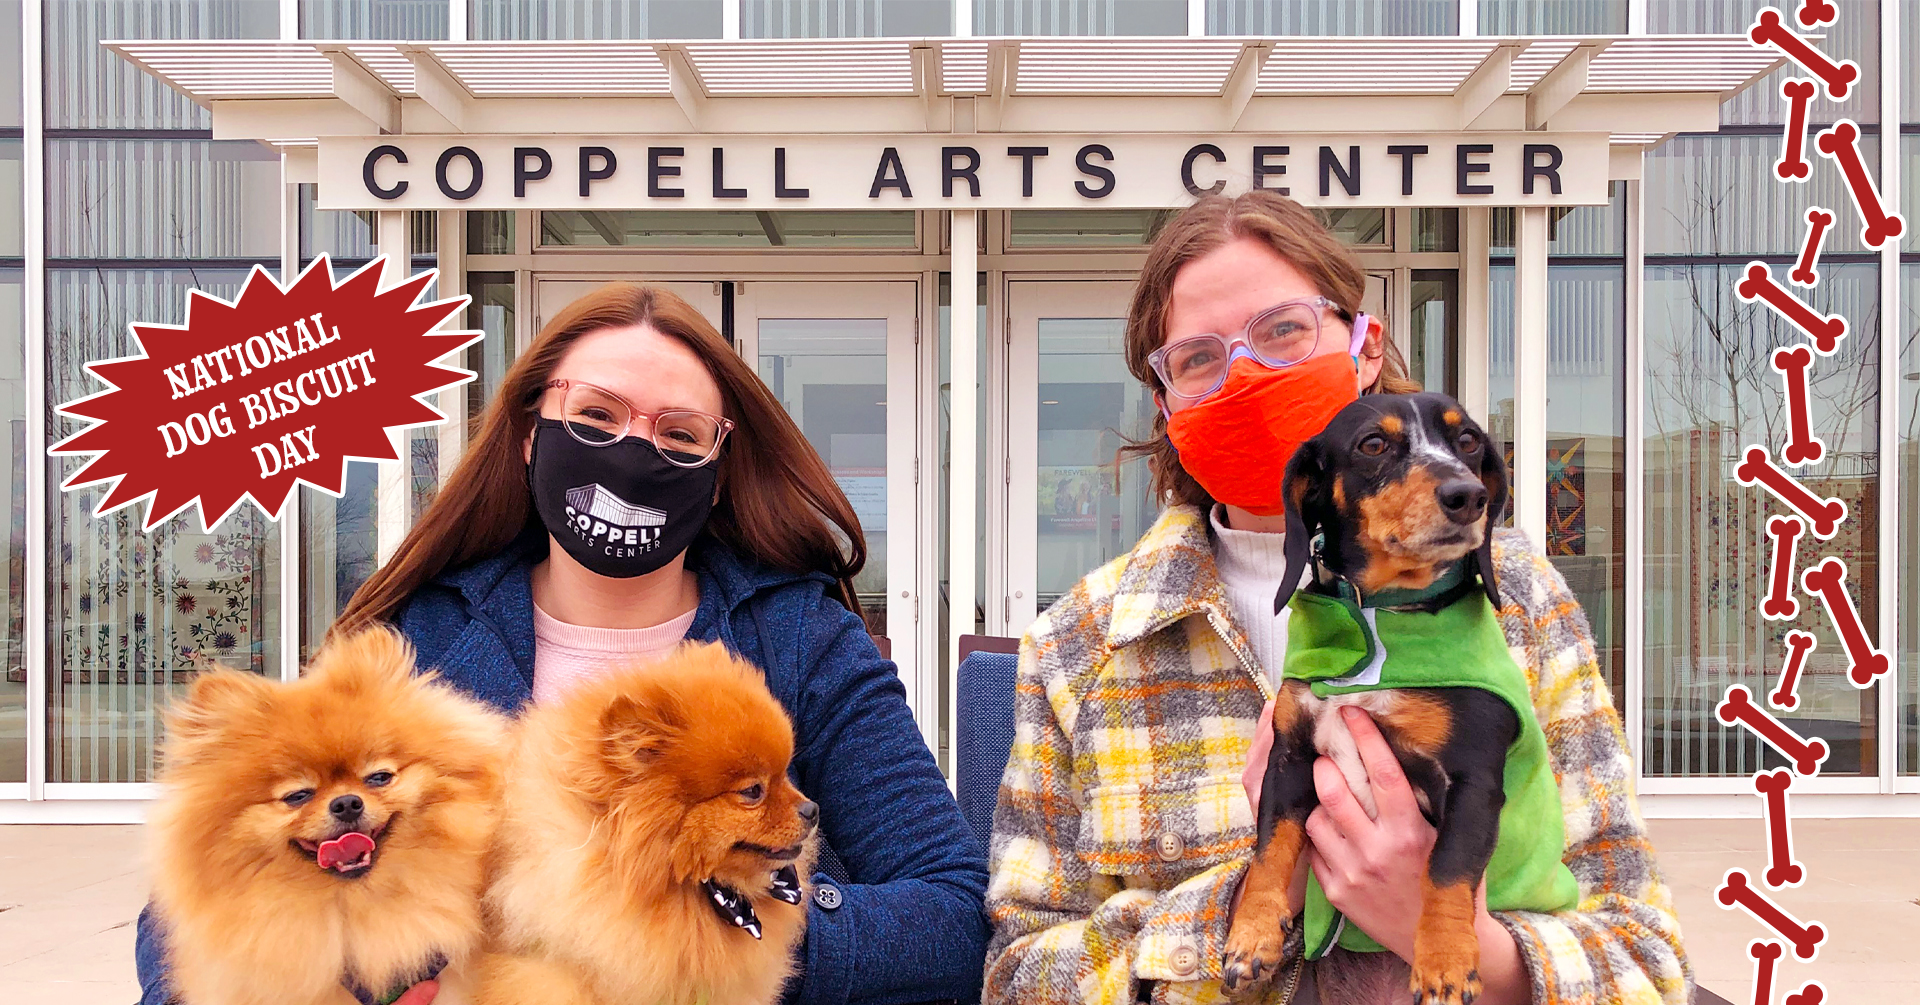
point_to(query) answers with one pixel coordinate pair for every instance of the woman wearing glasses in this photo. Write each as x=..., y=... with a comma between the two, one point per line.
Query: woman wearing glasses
x=1126, y=815
x=634, y=484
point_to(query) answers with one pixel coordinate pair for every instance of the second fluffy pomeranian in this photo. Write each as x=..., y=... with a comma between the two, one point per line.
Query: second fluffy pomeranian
x=651, y=847
x=323, y=842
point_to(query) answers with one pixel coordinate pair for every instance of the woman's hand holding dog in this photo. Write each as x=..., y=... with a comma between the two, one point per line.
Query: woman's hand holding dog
x=1372, y=869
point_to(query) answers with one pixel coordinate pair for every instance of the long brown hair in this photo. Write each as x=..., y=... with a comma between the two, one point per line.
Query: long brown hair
x=1295, y=234
x=778, y=504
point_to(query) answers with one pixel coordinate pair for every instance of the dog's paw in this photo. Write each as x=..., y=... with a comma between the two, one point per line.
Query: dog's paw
x=1447, y=985
x=1254, y=955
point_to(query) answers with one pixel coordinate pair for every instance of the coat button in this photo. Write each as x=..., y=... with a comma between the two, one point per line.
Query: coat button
x=828, y=897
x=1172, y=846
x=1185, y=961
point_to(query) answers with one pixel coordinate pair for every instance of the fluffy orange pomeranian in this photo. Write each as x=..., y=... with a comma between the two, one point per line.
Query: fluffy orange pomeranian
x=324, y=841
x=651, y=848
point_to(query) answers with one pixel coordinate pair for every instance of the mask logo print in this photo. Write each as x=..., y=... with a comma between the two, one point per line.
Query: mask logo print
x=612, y=525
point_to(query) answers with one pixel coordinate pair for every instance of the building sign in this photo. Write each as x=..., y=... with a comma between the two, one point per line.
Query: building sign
x=970, y=171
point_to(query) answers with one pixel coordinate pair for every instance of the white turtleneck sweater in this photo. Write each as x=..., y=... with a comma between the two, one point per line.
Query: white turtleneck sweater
x=1252, y=565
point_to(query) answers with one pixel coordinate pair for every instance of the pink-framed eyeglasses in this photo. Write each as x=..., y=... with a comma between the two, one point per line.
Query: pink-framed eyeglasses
x=597, y=417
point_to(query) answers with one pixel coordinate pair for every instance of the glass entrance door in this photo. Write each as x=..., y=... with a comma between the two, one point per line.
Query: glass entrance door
x=551, y=296
x=841, y=358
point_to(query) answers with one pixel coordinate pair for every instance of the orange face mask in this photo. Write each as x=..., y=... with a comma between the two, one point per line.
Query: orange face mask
x=1236, y=444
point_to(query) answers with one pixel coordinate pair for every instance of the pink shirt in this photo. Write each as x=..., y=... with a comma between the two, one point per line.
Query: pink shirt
x=564, y=654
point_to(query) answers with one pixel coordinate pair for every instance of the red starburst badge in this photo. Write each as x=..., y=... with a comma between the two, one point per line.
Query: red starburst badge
x=280, y=387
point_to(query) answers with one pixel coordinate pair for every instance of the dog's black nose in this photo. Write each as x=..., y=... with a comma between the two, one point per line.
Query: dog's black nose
x=1463, y=499
x=809, y=811
x=346, y=809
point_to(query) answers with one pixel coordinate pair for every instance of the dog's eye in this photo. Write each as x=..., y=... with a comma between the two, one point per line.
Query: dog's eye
x=1374, y=446
x=298, y=797
x=1468, y=441
x=379, y=778
x=753, y=793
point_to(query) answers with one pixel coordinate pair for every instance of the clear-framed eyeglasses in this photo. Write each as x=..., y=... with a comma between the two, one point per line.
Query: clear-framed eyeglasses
x=597, y=417
x=1277, y=337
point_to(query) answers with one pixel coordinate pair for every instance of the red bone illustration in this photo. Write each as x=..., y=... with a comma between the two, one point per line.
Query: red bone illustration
x=1793, y=165
x=1738, y=706
x=1768, y=30
x=1766, y=955
x=1802, y=446
x=1804, y=274
x=1826, y=332
x=1828, y=581
x=1786, y=694
x=1814, y=13
x=1825, y=514
x=1842, y=144
x=1780, y=604
x=1782, y=870
x=1737, y=890
x=1810, y=993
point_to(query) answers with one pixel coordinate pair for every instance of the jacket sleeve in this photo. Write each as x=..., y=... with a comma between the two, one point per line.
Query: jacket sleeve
x=150, y=959
x=909, y=928
x=1621, y=943
x=1063, y=935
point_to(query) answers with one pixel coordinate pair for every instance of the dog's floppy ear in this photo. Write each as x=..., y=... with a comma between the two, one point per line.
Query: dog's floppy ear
x=1304, y=489
x=216, y=697
x=641, y=725
x=1493, y=474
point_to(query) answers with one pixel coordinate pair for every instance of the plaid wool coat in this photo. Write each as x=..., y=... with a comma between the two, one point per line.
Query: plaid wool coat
x=1122, y=829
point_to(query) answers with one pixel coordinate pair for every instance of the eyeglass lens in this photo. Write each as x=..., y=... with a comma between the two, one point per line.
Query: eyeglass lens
x=594, y=416
x=1278, y=338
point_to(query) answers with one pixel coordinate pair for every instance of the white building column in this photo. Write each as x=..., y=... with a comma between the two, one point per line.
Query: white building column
x=33, y=181
x=289, y=526
x=963, y=471
x=1530, y=374
x=392, y=497
x=1892, y=338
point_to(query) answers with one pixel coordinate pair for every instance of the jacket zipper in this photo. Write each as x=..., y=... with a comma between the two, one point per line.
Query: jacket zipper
x=1293, y=982
x=1247, y=661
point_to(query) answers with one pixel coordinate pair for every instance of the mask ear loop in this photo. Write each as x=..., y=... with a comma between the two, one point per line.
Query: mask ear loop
x=1362, y=326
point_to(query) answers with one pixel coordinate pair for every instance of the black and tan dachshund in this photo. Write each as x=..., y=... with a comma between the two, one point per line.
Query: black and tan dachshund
x=1397, y=491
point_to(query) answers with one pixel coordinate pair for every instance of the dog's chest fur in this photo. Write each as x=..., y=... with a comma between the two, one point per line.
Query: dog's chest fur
x=1332, y=739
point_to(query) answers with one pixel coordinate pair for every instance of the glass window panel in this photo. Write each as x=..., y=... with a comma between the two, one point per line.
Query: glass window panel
x=1909, y=181
x=1091, y=507
x=13, y=241
x=1907, y=653
x=844, y=18
x=162, y=199
x=339, y=549
x=1432, y=342
x=1084, y=228
x=831, y=375
x=1571, y=230
x=1854, y=35
x=381, y=19
x=1333, y=17
x=575, y=19
x=1359, y=226
x=1717, y=195
x=1080, y=17
x=1553, y=17
x=130, y=611
x=1710, y=393
x=490, y=231
x=13, y=409
x=10, y=65
x=490, y=311
x=645, y=228
x=1436, y=229
x=89, y=87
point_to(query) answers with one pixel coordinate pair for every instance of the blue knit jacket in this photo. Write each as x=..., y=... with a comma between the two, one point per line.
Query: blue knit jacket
x=908, y=926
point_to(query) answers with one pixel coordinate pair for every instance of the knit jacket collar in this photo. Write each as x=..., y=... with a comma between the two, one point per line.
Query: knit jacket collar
x=1173, y=563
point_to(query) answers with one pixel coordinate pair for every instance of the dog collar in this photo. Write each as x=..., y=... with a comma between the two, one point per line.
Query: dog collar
x=736, y=909
x=366, y=997
x=1448, y=587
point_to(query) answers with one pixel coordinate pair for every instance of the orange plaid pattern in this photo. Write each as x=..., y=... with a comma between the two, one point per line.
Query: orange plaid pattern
x=1122, y=830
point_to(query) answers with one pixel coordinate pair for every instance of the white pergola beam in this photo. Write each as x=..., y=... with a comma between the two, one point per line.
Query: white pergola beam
x=688, y=92
x=1241, y=82
x=1560, y=85
x=1003, y=71
x=364, y=92
x=1485, y=85
x=439, y=89
x=927, y=81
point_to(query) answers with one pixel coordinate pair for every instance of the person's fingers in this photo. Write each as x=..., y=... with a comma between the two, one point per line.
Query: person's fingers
x=422, y=993
x=1392, y=793
x=1338, y=800
x=1255, y=773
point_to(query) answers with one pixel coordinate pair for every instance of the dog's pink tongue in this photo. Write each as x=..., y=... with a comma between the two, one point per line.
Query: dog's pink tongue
x=344, y=851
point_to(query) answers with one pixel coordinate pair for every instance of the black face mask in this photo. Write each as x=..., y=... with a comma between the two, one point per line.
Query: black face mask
x=620, y=510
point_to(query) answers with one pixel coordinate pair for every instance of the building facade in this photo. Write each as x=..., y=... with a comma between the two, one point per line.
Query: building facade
x=1642, y=376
